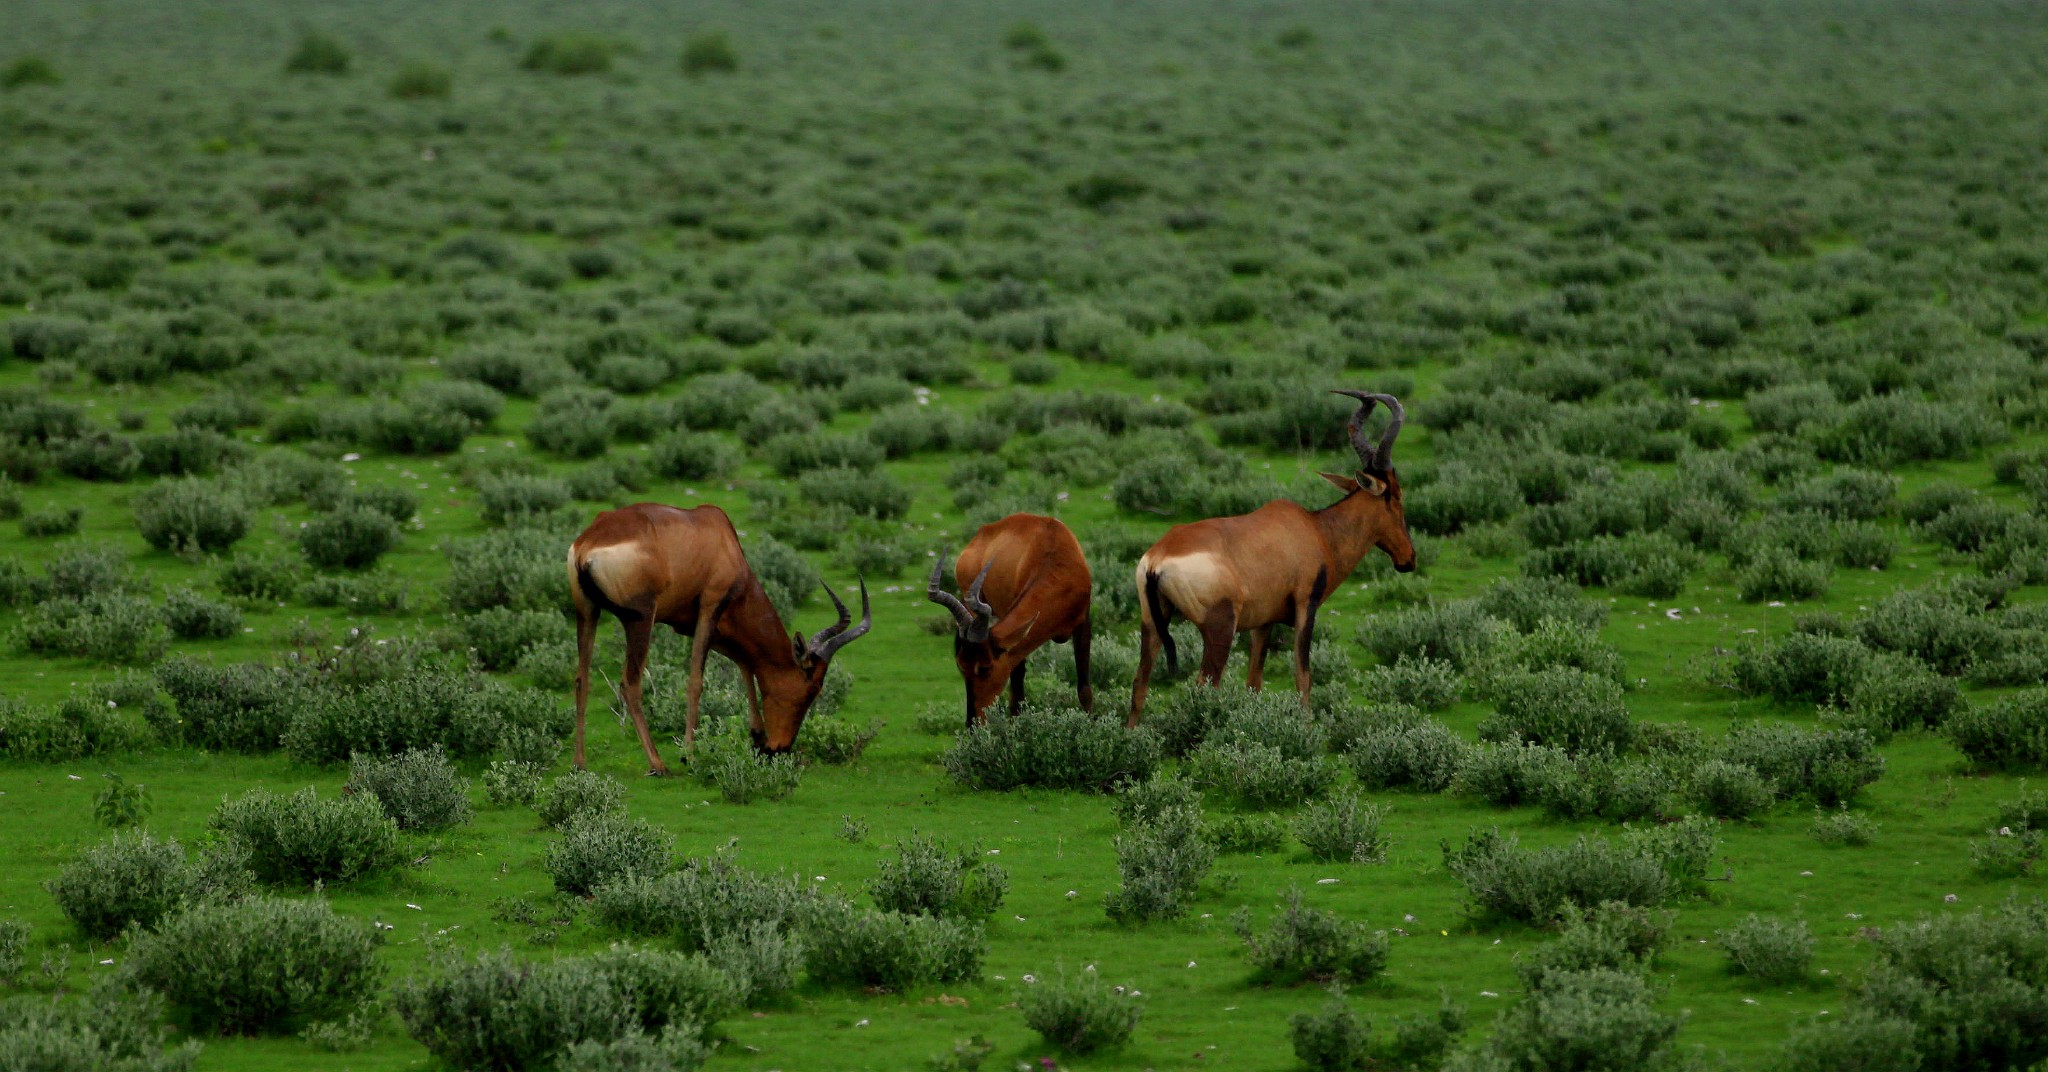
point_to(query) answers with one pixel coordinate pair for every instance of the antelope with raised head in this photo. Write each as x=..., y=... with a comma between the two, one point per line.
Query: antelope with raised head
x=1273, y=566
x=1031, y=585
x=649, y=565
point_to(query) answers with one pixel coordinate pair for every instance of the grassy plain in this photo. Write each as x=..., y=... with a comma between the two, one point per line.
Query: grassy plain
x=1346, y=181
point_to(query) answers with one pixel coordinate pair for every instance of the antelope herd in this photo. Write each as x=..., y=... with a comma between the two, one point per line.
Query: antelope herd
x=1024, y=583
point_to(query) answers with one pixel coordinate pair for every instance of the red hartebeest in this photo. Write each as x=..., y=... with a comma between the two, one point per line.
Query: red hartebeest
x=1275, y=565
x=647, y=564
x=1031, y=585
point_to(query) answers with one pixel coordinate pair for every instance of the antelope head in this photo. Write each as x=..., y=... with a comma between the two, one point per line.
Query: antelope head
x=984, y=663
x=786, y=698
x=1380, y=489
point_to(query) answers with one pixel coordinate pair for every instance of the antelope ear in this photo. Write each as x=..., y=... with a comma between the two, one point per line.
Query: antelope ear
x=1344, y=483
x=1373, y=485
x=796, y=642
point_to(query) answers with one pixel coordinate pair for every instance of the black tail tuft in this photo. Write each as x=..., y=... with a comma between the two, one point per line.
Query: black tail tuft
x=1161, y=615
x=591, y=591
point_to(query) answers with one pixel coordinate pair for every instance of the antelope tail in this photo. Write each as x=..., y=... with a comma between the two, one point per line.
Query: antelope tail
x=1157, y=610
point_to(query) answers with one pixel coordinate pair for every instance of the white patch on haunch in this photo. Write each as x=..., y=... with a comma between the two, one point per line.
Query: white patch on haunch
x=612, y=568
x=1192, y=583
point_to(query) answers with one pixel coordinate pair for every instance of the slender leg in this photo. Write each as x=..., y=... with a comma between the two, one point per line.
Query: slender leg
x=1017, y=689
x=1083, y=636
x=693, y=693
x=1304, y=635
x=639, y=634
x=1219, y=631
x=1148, y=649
x=1255, y=673
x=753, y=701
x=586, y=644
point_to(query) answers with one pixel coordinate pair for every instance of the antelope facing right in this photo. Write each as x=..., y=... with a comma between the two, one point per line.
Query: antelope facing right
x=649, y=564
x=1273, y=566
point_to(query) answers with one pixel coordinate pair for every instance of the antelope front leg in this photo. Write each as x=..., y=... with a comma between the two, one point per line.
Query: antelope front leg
x=1304, y=636
x=748, y=683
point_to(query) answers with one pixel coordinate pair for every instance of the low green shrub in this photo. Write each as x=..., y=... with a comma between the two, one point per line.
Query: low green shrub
x=420, y=80
x=412, y=707
x=52, y=521
x=1308, y=944
x=603, y=1011
x=262, y=965
x=849, y=946
x=351, y=538
x=742, y=775
x=1161, y=861
x=2010, y=734
x=1240, y=834
x=836, y=742
x=1830, y=767
x=1258, y=775
x=113, y=1027
x=1422, y=683
x=498, y=637
x=1600, y=1019
x=1610, y=936
x=1051, y=747
x=1553, y=644
x=1799, y=667
x=318, y=53
x=1418, y=753
x=1727, y=790
x=1458, y=633
x=1535, y=885
x=1343, y=829
x=191, y=616
x=1510, y=773
x=1842, y=827
x=702, y=901
x=1081, y=1014
x=190, y=514
x=1776, y=574
x=1337, y=1039
x=514, y=498
x=930, y=878
x=597, y=849
x=1768, y=950
x=300, y=839
x=577, y=793
x=419, y=789
x=107, y=627
x=1565, y=708
x=258, y=578
x=1527, y=602
x=240, y=707
x=1970, y=985
x=137, y=879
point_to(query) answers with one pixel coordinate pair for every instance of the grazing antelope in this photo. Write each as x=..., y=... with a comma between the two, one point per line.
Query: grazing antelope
x=647, y=564
x=1275, y=565
x=1031, y=585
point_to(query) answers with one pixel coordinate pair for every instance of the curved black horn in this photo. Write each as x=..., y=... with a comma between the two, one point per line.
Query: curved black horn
x=1385, y=455
x=974, y=599
x=963, y=620
x=828, y=642
x=1355, y=428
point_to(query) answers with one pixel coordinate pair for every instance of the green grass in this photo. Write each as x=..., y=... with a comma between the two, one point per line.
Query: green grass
x=1351, y=186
